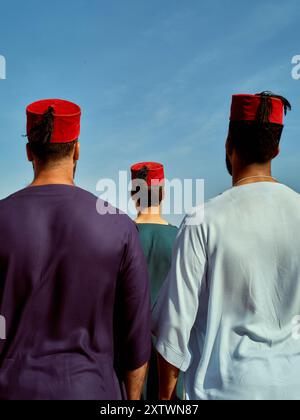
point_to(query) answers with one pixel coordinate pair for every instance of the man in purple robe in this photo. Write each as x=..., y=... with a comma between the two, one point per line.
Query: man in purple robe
x=73, y=283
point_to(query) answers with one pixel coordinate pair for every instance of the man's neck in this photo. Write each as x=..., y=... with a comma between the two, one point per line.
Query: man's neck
x=58, y=175
x=252, y=173
x=151, y=215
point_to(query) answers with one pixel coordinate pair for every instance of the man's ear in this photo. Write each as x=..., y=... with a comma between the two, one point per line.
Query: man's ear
x=76, y=151
x=277, y=152
x=228, y=148
x=29, y=153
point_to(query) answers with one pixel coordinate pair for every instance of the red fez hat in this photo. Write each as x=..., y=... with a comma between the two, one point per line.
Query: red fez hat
x=264, y=107
x=153, y=173
x=66, y=119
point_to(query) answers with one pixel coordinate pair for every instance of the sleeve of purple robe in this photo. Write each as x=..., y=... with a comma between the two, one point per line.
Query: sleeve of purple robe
x=134, y=309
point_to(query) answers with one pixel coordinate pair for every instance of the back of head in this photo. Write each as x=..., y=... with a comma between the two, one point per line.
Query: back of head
x=253, y=142
x=147, y=184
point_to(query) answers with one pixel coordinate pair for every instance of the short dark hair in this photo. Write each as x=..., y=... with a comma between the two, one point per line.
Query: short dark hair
x=147, y=196
x=51, y=152
x=39, y=140
x=254, y=142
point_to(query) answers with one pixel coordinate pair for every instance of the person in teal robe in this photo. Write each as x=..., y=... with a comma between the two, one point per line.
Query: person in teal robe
x=157, y=238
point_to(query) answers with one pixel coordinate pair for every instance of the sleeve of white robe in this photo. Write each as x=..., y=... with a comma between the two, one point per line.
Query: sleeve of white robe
x=177, y=306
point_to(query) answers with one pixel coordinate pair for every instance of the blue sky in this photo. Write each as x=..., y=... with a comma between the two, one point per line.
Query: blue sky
x=154, y=79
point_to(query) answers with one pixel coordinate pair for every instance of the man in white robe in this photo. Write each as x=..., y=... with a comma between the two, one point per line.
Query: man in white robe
x=227, y=312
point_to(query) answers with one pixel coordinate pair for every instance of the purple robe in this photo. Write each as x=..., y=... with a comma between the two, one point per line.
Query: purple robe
x=74, y=291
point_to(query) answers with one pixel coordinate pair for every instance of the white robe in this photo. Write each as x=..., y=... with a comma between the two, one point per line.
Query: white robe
x=227, y=313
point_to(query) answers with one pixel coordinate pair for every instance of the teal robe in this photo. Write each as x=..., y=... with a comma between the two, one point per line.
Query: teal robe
x=158, y=243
